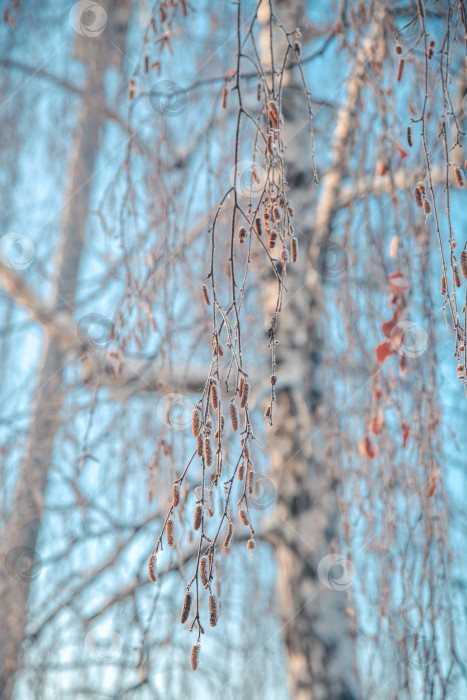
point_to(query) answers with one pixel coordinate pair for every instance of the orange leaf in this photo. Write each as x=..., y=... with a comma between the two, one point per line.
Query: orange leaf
x=402, y=152
x=434, y=481
x=381, y=168
x=392, y=323
x=383, y=351
x=398, y=283
x=393, y=247
x=368, y=448
x=405, y=427
x=377, y=423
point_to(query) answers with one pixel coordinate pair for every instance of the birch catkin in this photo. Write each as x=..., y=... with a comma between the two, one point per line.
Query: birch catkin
x=206, y=298
x=464, y=263
x=199, y=446
x=204, y=570
x=243, y=517
x=234, y=416
x=170, y=532
x=186, y=607
x=293, y=249
x=197, y=517
x=228, y=536
x=245, y=394
x=196, y=421
x=195, y=656
x=444, y=285
x=175, y=495
x=459, y=177
x=215, y=394
x=213, y=610
x=152, y=568
x=208, y=450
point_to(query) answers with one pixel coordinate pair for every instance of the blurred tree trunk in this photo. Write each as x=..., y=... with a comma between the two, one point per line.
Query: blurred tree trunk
x=21, y=533
x=318, y=636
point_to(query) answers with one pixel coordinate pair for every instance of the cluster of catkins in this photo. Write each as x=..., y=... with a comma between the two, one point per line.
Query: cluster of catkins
x=202, y=428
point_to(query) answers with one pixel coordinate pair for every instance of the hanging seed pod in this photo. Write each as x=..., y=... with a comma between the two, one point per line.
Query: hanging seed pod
x=196, y=421
x=197, y=518
x=212, y=610
x=175, y=495
x=251, y=481
x=240, y=387
x=427, y=207
x=229, y=534
x=276, y=214
x=215, y=394
x=199, y=446
x=273, y=112
x=234, y=416
x=421, y=187
x=251, y=544
x=464, y=263
x=204, y=570
x=293, y=249
x=459, y=177
x=400, y=70
x=398, y=49
x=245, y=394
x=241, y=472
x=195, y=656
x=272, y=240
x=212, y=507
x=186, y=607
x=431, y=49
x=169, y=531
x=418, y=197
x=259, y=229
x=242, y=234
x=258, y=92
x=457, y=278
x=208, y=450
x=409, y=136
x=243, y=517
x=131, y=90
x=444, y=285
x=224, y=98
x=270, y=144
x=206, y=298
x=152, y=567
